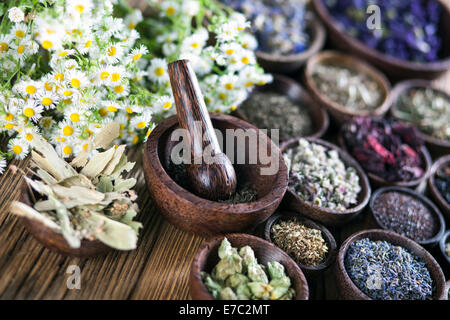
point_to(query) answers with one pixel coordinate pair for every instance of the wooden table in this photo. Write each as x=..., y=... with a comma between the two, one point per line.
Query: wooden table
x=157, y=269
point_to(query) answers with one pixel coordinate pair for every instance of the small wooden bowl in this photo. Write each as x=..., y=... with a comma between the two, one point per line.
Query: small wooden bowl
x=377, y=181
x=448, y=289
x=309, y=271
x=55, y=241
x=327, y=216
x=201, y=216
x=430, y=205
x=349, y=291
x=434, y=145
x=392, y=66
x=295, y=92
x=445, y=259
x=291, y=63
x=207, y=257
x=435, y=194
x=339, y=112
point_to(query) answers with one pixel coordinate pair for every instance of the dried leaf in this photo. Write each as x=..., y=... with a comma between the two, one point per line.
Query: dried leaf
x=78, y=180
x=112, y=233
x=22, y=210
x=83, y=196
x=66, y=227
x=105, y=184
x=124, y=185
x=115, y=160
x=107, y=135
x=45, y=176
x=97, y=163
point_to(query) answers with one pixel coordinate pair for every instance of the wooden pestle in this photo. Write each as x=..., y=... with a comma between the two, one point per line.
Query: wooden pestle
x=213, y=180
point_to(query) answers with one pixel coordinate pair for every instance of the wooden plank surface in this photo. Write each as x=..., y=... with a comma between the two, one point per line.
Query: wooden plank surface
x=157, y=269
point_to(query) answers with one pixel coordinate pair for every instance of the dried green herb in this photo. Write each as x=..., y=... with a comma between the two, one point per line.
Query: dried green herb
x=95, y=203
x=353, y=90
x=428, y=109
x=239, y=276
x=305, y=245
x=268, y=110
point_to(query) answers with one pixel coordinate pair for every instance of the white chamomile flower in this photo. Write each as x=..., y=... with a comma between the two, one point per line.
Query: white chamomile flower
x=29, y=88
x=79, y=7
x=3, y=164
x=74, y=114
x=86, y=43
x=165, y=103
x=47, y=99
x=121, y=89
x=112, y=106
x=169, y=48
x=28, y=133
x=193, y=43
x=128, y=39
x=228, y=31
x=141, y=121
x=170, y=8
x=19, y=30
x=116, y=75
x=230, y=50
x=137, y=54
x=157, y=72
x=67, y=130
x=242, y=59
x=248, y=41
x=240, y=21
x=138, y=76
x=16, y=15
x=19, y=148
x=113, y=53
x=77, y=79
x=190, y=7
x=133, y=19
x=71, y=64
x=20, y=50
x=65, y=149
x=5, y=42
x=228, y=82
x=32, y=110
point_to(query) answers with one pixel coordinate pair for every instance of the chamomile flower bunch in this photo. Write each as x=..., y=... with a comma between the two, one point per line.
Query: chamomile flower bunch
x=215, y=40
x=68, y=69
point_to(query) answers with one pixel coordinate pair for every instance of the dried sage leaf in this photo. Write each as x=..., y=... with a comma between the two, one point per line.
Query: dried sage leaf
x=97, y=163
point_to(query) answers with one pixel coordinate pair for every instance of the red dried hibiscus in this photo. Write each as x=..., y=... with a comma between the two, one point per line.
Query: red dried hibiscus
x=387, y=148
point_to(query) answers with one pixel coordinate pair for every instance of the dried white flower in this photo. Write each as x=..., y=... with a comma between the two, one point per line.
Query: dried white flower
x=16, y=15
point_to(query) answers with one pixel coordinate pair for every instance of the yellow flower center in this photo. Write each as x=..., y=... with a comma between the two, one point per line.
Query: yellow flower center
x=167, y=105
x=129, y=110
x=222, y=96
x=229, y=86
x=17, y=149
x=170, y=11
x=75, y=83
x=3, y=47
x=115, y=77
x=21, y=49
x=245, y=60
x=20, y=33
x=9, y=117
x=135, y=140
x=85, y=146
x=249, y=84
x=137, y=56
x=9, y=126
x=131, y=26
x=229, y=51
x=79, y=8
x=47, y=44
x=112, y=51
x=62, y=54
x=59, y=77
x=30, y=89
x=29, y=136
x=67, y=150
x=48, y=86
x=68, y=130
x=141, y=125
x=119, y=89
x=103, y=112
x=47, y=101
x=159, y=71
x=88, y=44
x=28, y=112
x=104, y=75
x=233, y=108
x=195, y=45
x=75, y=117
x=68, y=93
x=112, y=108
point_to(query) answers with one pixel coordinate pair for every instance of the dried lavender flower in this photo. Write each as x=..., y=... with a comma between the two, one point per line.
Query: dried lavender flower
x=319, y=176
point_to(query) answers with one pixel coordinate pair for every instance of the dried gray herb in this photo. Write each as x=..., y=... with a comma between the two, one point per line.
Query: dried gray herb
x=353, y=90
x=305, y=245
x=268, y=110
x=428, y=109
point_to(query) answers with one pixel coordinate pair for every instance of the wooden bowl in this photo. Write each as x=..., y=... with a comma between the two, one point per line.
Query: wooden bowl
x=430, y=205
x=393, y=67
x=434, y=192
x=309, y=271
x=204, y=217
x=434, y=145
x=327, y=216
x=349, y=291
x=291, y=63
x=295, y=92
x=207, y=257
x=444, y=258
x=448, y=289
x=55, y=241
x=377, y=181
x=337, y=111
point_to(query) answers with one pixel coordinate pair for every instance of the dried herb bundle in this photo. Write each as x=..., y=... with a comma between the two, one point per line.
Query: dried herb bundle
x=238, y=275
x=306, y=245
x=93, y=202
